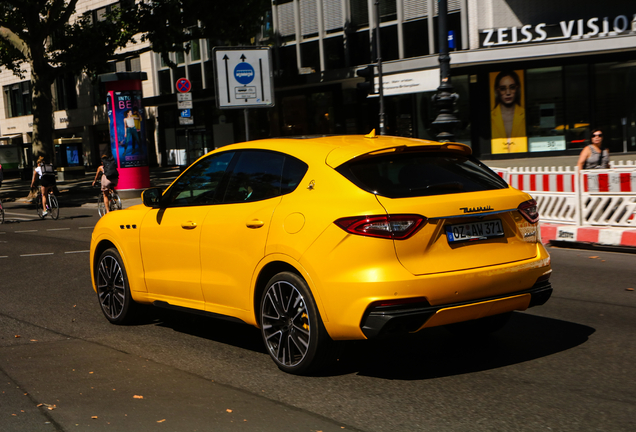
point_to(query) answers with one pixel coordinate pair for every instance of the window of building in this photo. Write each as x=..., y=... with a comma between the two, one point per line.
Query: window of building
x=389, y=43
x=359, y=13
x=65, y=93
x=17, y=99
x=334, y=53
x=195, y=50
x=165, y=82
x=359, y=48
x=415, y=38
x=310, y=55
x=195, y=75
x=615, y=109
x=577, y=105
x=545, y=116
x=179, y=57
x=388, y=10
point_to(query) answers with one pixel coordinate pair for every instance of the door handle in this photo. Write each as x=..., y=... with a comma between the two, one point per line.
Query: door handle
x=188, y=225
x=254, y=223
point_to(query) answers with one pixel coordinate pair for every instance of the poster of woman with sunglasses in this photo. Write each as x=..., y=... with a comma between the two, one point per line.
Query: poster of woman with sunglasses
x=507, y=116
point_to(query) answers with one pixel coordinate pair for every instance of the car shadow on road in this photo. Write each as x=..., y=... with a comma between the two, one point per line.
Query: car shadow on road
x=219, y=330
x=436, y=352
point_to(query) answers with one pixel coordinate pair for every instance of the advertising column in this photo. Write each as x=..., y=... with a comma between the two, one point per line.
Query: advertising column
x=126, y=118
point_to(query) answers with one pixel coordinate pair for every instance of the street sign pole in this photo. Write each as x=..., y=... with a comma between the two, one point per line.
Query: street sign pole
x=184, y=106
x=247, y=125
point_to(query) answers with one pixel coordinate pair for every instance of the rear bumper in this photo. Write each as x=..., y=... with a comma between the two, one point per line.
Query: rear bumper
x=409, y=318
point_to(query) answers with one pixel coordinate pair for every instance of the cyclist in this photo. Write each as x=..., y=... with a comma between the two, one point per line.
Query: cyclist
x=46, y=175
x=110, y=177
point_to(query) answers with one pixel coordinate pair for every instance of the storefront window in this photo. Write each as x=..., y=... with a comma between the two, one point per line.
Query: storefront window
x=426, y=112
x=577, y=105
x=615, y=109
x=545, y=119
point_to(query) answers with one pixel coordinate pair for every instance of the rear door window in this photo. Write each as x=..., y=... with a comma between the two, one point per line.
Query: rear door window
x=420, y=173
x=260, y=175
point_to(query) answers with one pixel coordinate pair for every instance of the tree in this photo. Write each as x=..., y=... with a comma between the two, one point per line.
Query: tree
x=47, y=39
x=170, y=25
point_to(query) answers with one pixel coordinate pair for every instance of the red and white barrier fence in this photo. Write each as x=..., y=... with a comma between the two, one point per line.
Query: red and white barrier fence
x=591, y=197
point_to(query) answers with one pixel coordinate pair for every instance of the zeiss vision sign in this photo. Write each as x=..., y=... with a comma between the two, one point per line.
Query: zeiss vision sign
x=576, y=29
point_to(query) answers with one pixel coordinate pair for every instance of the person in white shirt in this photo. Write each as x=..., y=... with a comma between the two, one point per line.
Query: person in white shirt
x=47, y=182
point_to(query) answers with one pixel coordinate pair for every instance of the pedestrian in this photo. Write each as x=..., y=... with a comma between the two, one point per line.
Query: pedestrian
x=110, y=177
x=46, y=175
x=594, y=156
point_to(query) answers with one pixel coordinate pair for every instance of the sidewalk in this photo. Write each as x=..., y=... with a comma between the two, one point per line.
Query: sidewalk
x=79, y=192
x=592, y=236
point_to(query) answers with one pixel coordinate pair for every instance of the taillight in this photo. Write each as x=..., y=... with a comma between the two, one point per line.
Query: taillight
x=397, y=227
x=529, y=211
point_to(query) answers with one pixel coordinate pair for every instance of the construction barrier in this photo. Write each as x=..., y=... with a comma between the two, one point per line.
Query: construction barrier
x=589, y=198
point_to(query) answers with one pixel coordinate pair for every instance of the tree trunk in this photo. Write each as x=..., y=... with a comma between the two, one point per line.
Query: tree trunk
x=42, y=78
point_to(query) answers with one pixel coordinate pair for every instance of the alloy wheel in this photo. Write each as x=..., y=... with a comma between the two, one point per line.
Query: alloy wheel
x=111, y=287
x=285, y=323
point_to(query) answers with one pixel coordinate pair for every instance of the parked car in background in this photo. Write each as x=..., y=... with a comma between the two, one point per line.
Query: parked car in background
x=314, y=240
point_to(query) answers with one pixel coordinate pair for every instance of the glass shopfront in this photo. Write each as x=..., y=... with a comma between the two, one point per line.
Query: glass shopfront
x=537, y=111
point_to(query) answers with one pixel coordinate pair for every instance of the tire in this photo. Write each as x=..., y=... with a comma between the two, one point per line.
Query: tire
x=38, y=207
x=101, y=207
x=480, y=327
x=54, y=207
x=115, y=201
x=1, y=214
x=113, y=290
x=292, y=330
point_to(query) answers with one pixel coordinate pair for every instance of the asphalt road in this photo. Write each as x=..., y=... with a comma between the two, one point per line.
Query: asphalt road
x=566, y=366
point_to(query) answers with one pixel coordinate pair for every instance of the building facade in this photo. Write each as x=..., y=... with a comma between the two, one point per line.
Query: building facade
x=533, y=79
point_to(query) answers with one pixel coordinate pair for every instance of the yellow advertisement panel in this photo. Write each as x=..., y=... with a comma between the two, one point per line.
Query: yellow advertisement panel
x=508, y=115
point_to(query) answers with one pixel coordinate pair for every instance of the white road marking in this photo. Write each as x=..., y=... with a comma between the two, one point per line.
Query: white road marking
x=82, y=251
x=57, y=229
x=37, y=254
x=25, y=231
x=30, y=216
x=86, y=227
x=6, y=256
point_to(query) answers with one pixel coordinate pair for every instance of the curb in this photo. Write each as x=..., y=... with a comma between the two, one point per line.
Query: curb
x=623, y=237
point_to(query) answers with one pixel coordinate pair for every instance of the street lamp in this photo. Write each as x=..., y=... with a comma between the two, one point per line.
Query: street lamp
x=445, y=98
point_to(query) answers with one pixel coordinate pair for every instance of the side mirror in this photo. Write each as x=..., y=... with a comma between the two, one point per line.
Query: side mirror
x=151, y=197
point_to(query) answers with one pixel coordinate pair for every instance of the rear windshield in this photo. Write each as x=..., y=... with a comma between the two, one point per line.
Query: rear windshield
x=414, y=174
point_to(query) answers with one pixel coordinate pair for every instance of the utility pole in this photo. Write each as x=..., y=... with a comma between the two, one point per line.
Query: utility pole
x=445, y=98
x=379, y=63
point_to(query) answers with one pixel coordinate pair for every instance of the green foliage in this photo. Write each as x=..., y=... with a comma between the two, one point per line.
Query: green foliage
x=170, y=25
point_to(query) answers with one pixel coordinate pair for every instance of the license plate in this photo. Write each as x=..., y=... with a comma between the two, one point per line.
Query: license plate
x=474, y=231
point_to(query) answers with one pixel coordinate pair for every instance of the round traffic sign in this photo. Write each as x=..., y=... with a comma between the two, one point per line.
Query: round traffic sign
x=244, y=73
x=183, y=85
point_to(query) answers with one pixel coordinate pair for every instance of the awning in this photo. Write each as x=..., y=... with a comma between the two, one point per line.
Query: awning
x=9, y=137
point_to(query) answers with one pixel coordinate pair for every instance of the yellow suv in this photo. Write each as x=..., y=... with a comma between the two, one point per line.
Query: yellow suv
x=332, y=238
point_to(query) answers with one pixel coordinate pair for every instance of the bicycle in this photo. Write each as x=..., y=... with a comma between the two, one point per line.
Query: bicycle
x=52, y=206
x=114, y=202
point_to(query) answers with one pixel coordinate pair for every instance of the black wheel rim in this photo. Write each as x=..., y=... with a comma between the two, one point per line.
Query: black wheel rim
x=115, y=202
x=285, y=323
x=111, y=287
x=101, y=208
x=54, y=207
x=38, y=207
